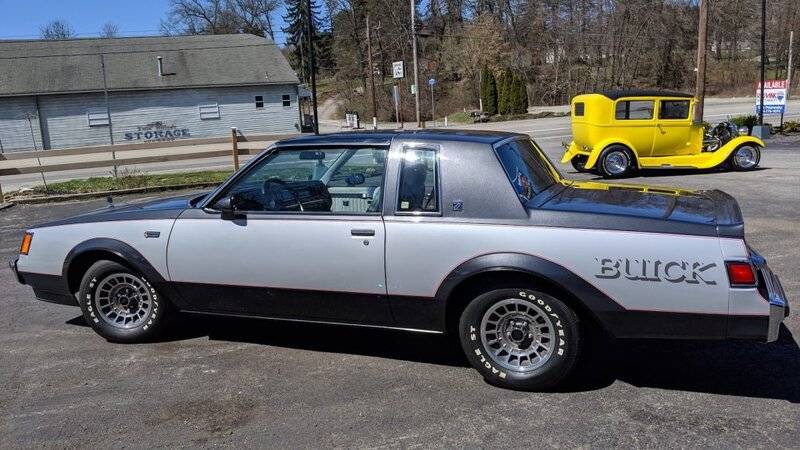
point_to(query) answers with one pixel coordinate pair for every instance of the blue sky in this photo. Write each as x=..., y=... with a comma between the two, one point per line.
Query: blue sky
x=21, y=19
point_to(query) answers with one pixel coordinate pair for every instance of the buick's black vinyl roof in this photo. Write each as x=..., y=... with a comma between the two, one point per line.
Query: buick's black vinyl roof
x=614, y=95
x=384, y=137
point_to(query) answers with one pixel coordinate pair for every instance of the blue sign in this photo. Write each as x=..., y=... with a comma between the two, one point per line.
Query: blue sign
x=772, y=109
x=431, y=82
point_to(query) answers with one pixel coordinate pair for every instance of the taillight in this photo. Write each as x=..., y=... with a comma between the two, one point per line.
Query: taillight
x=26, y=243
x=741, y=274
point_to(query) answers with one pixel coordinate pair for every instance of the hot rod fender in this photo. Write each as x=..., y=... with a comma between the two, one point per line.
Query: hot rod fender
x=594, y=153
x=723, y=153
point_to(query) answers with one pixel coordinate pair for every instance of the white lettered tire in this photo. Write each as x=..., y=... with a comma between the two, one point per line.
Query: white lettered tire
x=120, y=304
x=520, y=338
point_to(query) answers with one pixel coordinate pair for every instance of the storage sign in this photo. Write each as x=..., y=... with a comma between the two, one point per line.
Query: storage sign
x=774, y=96
x=157, y=131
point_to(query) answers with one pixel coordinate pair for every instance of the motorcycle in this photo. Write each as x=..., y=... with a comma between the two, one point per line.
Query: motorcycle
x=719, y=135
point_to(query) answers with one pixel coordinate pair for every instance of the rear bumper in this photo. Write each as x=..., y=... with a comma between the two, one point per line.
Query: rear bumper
x=48, y=288
x=770, y=288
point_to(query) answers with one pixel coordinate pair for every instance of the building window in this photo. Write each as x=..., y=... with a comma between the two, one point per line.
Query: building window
x=287, y=100
x=634, y=110
x=97, y=118
x=259, y=101
x=209, y=111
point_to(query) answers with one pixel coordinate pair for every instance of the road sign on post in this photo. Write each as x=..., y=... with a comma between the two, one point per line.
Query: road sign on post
x=774, y=97
x=398, y=71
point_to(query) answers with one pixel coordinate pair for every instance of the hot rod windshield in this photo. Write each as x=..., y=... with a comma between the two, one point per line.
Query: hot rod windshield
x=527, y=168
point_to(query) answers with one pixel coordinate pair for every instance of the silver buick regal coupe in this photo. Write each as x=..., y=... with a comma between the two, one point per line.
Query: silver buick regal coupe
x=470, y=233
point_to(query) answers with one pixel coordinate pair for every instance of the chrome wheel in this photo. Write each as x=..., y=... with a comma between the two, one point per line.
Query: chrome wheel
x=616, y=162
x=123, y=300
x=517, y=334
x=746, y=157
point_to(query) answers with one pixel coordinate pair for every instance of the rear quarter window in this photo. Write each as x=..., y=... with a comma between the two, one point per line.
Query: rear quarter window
x=525, y=168
x=579, y=109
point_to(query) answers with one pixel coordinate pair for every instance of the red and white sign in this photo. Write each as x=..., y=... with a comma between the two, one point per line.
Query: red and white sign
x=774, y=96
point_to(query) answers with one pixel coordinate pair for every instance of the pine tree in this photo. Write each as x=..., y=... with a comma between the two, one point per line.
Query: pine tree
x=296, y=37
x=504, y=92
x=488, y=91
x=523, y=95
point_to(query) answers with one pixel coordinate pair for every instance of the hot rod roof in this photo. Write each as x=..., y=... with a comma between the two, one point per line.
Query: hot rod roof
x=614, y=95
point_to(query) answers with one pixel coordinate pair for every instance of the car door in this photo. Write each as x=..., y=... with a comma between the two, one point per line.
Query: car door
x=306, y=240
x=673, y=128
x=634, y=121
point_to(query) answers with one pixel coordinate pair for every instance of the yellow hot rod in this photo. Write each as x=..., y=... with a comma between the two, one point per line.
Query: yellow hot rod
x=616, y=133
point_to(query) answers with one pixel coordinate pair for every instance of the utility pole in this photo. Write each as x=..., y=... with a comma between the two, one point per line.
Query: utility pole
x=789, y=67
x=700, y=84
x=763, y=59
x=310, y=31
x=420, y=124
x=371, y=69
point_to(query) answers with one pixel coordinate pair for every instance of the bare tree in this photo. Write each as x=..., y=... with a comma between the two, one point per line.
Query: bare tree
x=110, y=30
x=220, y=17
x=255, y=16
x=57, y=29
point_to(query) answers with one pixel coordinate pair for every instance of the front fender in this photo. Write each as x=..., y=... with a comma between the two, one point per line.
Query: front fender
x=723, y=153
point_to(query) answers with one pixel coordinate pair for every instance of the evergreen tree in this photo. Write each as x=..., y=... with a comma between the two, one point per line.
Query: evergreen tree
x=504, y=89
x=296, y=37
x=488, y=91
x=522, y=93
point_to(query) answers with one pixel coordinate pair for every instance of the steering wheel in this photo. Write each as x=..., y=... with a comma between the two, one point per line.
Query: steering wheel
x=270, y=193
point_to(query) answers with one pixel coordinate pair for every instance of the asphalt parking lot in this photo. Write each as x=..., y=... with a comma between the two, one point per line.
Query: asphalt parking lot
x=253, y=383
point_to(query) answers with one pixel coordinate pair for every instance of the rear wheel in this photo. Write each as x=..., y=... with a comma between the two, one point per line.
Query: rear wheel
x=745, y=157
x=120, y=304
x=615, y=161
x=520, y=338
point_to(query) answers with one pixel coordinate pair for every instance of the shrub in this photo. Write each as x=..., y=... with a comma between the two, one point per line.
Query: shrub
x=748, y=121
x=791, y=126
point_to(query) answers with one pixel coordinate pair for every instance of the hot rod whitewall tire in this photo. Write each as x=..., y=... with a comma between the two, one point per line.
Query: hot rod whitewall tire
x=616, y=161
x=120, y=304
x=745, y=157
x=520, y=338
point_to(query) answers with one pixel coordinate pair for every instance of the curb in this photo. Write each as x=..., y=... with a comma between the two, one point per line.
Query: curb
x=6, y=205
x=87, y=195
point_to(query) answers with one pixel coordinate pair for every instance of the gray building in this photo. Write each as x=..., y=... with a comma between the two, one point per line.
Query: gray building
x=84, y=92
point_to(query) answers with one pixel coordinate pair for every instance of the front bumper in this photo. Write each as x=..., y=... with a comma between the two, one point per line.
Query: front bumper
x=13, y=265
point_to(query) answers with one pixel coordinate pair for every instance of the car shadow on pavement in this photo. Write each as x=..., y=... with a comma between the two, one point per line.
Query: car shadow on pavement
x=746, y=369
x=737, y=368
x=656, y=173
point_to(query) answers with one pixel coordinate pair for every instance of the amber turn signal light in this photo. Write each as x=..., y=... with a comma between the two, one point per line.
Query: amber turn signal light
x=741, y=274
x=26, y=243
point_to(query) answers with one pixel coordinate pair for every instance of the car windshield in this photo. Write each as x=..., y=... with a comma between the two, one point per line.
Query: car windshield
x=527, y=168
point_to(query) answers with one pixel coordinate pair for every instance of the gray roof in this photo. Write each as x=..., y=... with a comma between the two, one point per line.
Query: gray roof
x=74, y=65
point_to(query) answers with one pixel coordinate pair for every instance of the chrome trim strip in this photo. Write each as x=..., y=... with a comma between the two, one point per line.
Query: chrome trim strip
x=325, y=322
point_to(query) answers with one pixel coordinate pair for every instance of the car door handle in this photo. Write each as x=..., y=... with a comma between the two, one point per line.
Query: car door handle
x=357, y=232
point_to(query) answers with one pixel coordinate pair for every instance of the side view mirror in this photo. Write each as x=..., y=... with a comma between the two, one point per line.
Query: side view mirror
x=354, y=179
x=229, y=207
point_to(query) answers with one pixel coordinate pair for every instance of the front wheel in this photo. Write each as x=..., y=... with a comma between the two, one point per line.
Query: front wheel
x=520, y=338
x=745, y=157
x=120, y=304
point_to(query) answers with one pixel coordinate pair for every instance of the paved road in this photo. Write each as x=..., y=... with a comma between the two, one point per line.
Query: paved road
x=249, y=383
x=555, y=129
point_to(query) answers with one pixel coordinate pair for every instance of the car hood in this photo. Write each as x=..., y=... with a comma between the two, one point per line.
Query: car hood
x=708, y=207
x=161, y=208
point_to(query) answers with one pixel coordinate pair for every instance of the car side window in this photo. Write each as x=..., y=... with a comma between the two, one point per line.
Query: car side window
x=324, y=180
x=579, y=109
x=634, y=110
x=419, y=180
x=673, y=109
